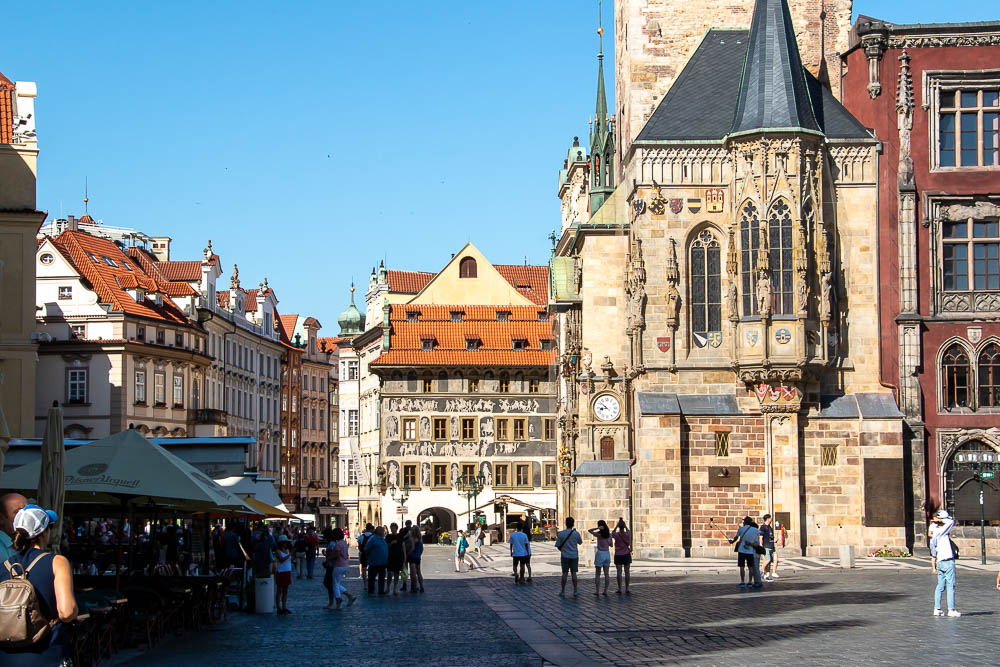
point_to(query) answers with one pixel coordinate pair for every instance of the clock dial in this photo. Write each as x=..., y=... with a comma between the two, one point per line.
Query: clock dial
x=607, y=408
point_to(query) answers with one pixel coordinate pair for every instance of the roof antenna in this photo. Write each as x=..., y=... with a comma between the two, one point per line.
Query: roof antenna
x=86, y=195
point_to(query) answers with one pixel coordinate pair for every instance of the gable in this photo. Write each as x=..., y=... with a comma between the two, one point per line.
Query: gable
x=489, y=287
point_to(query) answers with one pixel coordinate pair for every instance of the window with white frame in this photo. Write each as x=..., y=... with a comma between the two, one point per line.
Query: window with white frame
x=159, y=388
x=968, y=126
x=65, y=292
x=76, y=385
x=352, y=422
x=140, y=386
x=178, y=390
x=78, y=330
x=352, y=369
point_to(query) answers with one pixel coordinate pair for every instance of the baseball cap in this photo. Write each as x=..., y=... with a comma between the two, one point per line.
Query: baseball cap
x=283, y=538
x=34, y=520
x=942, y=514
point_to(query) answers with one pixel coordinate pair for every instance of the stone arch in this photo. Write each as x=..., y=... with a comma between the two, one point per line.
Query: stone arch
x=954, y=480
x=435, y=520
x=946, y=348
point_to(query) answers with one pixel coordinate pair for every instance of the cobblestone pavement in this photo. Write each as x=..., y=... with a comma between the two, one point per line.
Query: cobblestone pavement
x=824, y=616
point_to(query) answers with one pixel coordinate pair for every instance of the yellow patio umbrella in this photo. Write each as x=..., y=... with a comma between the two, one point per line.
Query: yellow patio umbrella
x=267, y=510
x=51, y=482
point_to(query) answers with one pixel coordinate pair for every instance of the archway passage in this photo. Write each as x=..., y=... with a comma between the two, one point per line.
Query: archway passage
x=962, y=486
x=436, y=520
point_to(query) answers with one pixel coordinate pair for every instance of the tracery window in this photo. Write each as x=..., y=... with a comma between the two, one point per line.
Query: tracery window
x=749, y=244
x=780, y=239
x=989, y=376
x=706, y=284
x=956, y=372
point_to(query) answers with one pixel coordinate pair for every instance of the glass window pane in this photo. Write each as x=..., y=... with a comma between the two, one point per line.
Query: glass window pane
x=714, y=288
x=991, y=98
x=985, y=229
x=956, y=230
x=948, y=98
x=970, y=98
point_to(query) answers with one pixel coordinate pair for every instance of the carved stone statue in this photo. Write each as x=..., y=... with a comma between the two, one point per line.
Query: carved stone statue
x=635, y=307
x=801, y=294
x=826, y=289
x=208, y=251
x=732, y=299
x=234, y=280
x=673, y=304
x=764, y=293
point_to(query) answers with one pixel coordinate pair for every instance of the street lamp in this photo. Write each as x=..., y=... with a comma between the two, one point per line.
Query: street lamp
x=470, y=486
x=400, y=495
x=974, y=461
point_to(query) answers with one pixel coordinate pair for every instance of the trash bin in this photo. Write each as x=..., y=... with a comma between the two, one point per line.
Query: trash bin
x=264, y=595
x=846, y=556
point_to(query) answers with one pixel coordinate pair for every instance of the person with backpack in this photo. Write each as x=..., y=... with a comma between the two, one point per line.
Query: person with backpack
x=36, y=596
x=567, y=542
x=461, y=546
x=943, y=557
x=363, y=552
x=748, y=541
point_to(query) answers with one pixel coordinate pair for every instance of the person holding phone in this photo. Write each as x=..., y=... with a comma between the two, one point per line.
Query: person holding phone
x=622, y=537
x=747, y=538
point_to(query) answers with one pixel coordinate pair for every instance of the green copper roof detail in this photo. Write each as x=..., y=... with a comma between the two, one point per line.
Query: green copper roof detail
x=351, y=321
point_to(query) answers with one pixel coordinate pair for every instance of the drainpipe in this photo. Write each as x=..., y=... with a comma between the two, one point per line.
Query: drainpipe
x=631, y=452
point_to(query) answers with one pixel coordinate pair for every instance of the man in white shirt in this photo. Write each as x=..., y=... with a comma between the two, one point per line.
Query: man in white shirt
x=567, y=542
x=10, y=505
x=519, y=552
x=943, y=561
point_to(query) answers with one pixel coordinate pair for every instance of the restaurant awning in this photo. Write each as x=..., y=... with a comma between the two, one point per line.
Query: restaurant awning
x=267, y=510
x=510, y=500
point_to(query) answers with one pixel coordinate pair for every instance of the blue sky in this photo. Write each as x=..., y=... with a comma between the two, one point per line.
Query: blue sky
x=310, y=140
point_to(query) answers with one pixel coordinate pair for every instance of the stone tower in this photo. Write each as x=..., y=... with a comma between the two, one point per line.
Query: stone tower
x=655, y=38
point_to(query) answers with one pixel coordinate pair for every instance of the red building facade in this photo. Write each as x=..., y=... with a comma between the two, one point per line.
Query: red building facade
x=931, y=94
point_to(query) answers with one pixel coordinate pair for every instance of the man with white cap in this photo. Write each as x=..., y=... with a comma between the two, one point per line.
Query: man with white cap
x=10, y=505
x=943, y=561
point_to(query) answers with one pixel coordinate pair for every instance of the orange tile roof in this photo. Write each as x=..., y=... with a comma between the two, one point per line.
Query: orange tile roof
x=87, y=253
x=530, y=281
x=407, y=282
x=152, y=269
x=478, y=322
x=6, y=110
x=332, y=341
x=188, y=271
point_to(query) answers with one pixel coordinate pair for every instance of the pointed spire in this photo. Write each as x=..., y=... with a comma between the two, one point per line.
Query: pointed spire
x=601, y=135
x=904, y=88
x=773, y=91
x=600, y=126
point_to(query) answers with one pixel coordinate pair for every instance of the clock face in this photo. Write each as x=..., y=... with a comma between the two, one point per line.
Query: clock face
x=607, y=408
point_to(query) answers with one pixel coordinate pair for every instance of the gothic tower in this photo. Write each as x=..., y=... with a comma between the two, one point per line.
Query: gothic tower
x=602, y=144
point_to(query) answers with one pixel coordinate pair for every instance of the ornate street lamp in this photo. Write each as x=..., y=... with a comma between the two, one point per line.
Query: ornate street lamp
x=974, y=461
x=470, y=486
x=400, y=495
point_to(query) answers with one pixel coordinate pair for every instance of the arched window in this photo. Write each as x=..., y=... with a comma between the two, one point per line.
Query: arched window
x=961, y=491
x=597, y=170
x=609, y=179
x=779, y=227
x=442, y=381
x=955, y=371
x=706, y=284
x=467, y=268
x=749, y=243
x=989, y=376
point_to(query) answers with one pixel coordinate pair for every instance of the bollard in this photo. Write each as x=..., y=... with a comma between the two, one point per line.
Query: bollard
x=264, y=589
x=846, y=556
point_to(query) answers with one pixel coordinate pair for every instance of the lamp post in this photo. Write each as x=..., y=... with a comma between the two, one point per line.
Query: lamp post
x=974, y=461
x=400, y=495
x=470, y=486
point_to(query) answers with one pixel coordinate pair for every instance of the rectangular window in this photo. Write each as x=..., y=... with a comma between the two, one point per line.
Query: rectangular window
x=412, y=315
x=440, y=428
x=351, y=473
x=178, y=390
x=140, y=334
x=410, y=475
x=472, y=344
x=473, y=385
x=829, y=455
x=160, y=337
x=722, y=443
x=179, y=339
x=550, y=429
x=550, y=475
x=502, y=432
x=504, y=384
x=520, y=344
x=427, y=386
x=523, y=474
x=76, y=386
x=160, y=389
x=440, y=475
x=547, y=344
x=456, y=315
x=469, y=471
x=410, y=429
x=468, y=428
x=519, y=429
x=352, y=369
x=533, y=386
x=78, y=331
x=978, y=239
x=65, y=292
x=503, y=316
x=352, y=422
x=140, y=386
x=501, y=475
x=968, y=127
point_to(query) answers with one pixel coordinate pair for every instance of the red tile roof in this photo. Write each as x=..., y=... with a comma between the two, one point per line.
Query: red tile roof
x=87, y=254
x=407, y=282
x=188, y=271
x=478, y=322
x=530, y=281
x=6, y=110
x=332, y=341
x=152, y=268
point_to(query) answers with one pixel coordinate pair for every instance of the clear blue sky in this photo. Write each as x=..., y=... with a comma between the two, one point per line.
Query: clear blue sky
x=310, y=140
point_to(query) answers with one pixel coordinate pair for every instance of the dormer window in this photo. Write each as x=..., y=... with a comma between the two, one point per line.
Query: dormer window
x=125, y=264
x=547, y=344
x=427, y=344
x=543, y=316
x=520, y=344
x=467, y=268
x=473, y=344
x=412, y=315
x=93, y=258
x=503, y=316
x=457, y=315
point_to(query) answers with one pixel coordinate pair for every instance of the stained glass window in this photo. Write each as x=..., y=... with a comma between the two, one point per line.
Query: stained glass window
x=706, y=284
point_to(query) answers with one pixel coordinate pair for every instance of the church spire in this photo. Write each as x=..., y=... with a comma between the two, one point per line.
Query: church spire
x=602, y=182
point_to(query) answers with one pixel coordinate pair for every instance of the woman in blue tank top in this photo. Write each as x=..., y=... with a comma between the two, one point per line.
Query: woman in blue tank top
x=52, y=579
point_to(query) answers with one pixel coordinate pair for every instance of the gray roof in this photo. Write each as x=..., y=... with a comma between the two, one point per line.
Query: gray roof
x=694, y=405
x=601, y=469
x=702, y=103
x=855, y=406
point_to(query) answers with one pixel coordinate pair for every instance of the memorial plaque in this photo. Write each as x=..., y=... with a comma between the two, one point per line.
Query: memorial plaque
x=884, y=493
x=723, y=476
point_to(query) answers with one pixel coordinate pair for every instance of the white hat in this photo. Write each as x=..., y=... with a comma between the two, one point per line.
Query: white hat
x=33, y=520
x=942, y=514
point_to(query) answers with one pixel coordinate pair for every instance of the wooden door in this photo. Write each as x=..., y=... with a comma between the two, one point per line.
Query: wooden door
x=607, y=448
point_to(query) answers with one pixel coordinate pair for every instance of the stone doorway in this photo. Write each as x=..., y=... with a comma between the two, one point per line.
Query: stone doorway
x=436, y=520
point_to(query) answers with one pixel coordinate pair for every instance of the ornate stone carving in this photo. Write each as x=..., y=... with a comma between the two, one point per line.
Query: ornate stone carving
x=904, y=121
x=234, y=280
x=874, y=45
x=978, y=210
x=673, y=275
x=764, y=293
x=826, y=296
x=208, y=251
x=931, y=41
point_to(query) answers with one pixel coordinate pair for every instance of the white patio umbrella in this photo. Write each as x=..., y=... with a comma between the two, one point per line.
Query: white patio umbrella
x=52, y=481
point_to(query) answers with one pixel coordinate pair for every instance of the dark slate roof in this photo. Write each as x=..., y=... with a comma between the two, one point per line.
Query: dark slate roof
x=601, y=469
x=702, y=102
x=773, y=89
x=694, y=405
x=864, y=405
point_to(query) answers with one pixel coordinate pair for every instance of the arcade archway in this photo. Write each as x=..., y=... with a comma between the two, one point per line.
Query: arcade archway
x=436, y=520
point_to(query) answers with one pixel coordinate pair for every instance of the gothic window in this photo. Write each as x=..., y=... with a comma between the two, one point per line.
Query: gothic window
x=779, y=228
x=597, y=170
x=706, y=284
x=749, y=243
x=989, y=376
x=608, y=177
x=961, y=488
x=956, y=372
x=467, y=268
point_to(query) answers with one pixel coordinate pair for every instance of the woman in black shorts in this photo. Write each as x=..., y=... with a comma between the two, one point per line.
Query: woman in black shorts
x=623, y=553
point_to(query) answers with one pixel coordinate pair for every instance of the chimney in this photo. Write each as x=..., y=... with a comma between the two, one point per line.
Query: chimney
x=161, y=248
x=71, y=225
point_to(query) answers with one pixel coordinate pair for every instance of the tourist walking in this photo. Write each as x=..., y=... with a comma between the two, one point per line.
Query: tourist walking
x=363, y=552
x=567, y=542
x=397, y=556
x=413, y=560
x=527, y=559
x=283, y=572
x=312, y=547
x=51, y=577
x=461, y=546
x=378, y=556
x=480, y=539
x=623, y=553
x=943, y=561
x=747, y=538
x=602, y=556
x=519, y=552
x=767, y=539
x=336, y=568
x=300, y=554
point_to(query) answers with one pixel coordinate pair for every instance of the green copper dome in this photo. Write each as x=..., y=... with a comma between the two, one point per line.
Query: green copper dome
x=351, y=321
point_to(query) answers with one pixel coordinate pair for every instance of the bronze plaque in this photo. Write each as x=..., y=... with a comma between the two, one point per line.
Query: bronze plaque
x=884, y=492
x=723, y=476
x=783, y=519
